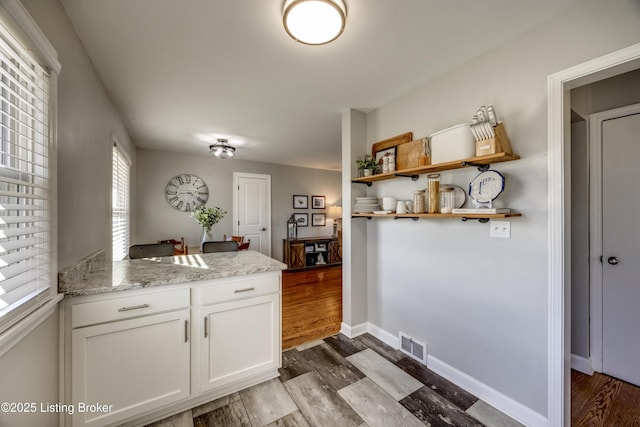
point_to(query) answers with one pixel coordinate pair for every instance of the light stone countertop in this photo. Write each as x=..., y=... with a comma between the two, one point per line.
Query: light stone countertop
x=149, y=272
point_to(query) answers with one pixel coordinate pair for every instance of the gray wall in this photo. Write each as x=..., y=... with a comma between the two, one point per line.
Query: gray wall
x=480, y=303
x=156, y=219
x=86, y=120
x=604, y=95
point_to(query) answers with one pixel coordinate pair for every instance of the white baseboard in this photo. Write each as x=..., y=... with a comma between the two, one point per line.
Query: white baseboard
x=494, y=398
x=353, y=331
x=581, y=364
x=384, y=336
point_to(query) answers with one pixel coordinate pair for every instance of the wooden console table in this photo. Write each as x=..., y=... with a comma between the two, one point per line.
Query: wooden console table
x=312, y=252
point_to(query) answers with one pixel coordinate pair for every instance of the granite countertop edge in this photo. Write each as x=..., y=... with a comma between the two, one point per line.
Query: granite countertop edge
x=156, y=272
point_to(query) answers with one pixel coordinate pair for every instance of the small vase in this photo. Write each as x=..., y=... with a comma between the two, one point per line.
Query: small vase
x=207, y=236
x=367, y=172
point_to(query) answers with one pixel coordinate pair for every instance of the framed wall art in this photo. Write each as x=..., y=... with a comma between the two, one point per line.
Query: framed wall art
x=317, y=202
x=300, y=202
x=318, y=220
x=302, y=219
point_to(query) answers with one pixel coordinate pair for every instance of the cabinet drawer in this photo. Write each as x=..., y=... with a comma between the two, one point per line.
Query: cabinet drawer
x=125, y=307
x=236, y=289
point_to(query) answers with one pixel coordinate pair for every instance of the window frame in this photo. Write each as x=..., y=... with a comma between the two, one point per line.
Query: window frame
x=21, y=27
x=122, y=154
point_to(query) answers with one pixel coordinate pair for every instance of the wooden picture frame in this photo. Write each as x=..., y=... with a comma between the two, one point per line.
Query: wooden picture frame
x=302, y=219
x=317, y=202
x=300, y=201
x=318, y=219
x=378, y=155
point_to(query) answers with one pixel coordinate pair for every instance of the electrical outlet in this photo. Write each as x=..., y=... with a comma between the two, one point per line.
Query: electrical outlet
x=500, y=229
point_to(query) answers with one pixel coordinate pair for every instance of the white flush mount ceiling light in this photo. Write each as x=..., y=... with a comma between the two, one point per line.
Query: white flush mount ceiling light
x=314, y=22
x=222, y=149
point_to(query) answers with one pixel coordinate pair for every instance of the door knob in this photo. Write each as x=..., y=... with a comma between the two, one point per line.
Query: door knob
x=263, y=229
x=613, y=260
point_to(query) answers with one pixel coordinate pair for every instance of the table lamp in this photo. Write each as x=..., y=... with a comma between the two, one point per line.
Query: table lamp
x=335, y=213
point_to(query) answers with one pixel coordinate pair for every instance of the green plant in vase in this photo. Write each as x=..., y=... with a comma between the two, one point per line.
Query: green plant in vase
x=207, y=218
x=366, y=165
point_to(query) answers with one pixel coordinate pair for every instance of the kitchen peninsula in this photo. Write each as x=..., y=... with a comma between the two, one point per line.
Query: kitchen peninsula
x=151, y=337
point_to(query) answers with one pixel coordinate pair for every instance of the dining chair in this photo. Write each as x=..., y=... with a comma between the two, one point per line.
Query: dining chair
x=220, y=246
x=151, y=250
x=180, y=247
x=239, y=239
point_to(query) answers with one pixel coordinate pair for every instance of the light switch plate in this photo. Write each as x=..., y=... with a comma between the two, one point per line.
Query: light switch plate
x=500, y=229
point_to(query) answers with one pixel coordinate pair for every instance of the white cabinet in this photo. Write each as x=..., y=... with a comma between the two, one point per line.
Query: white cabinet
x=240, y=329
x=130, y=366
x=145, y=354
x=241, y=339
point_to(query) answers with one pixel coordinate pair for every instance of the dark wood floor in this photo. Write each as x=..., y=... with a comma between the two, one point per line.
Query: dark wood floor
x=600, y=400
x=311, y=305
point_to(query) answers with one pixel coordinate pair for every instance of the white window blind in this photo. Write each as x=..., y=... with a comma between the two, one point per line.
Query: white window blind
x=120, y=204
x=25, y=267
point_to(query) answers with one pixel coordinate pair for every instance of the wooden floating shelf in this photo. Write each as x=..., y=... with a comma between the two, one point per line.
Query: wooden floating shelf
x=420, y=170
x=427, y=215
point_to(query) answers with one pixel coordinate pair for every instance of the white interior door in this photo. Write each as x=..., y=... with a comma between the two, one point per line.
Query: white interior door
x=252, y=213
x=621, y=248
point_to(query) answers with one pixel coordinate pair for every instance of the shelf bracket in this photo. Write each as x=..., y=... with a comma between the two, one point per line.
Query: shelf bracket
x=368, y=217
x=481, y=220
x=412, y=218
x=368, y=184
x=413, y=177
x=481, y=168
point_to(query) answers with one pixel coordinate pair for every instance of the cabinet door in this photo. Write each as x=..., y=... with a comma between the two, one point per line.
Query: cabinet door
x=134, y=365
x=240, y=339
x=334, y=252
x=296, y=259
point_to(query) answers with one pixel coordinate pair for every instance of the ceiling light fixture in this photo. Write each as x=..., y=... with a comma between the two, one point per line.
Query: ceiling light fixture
x=314, y=22
x=222, y=149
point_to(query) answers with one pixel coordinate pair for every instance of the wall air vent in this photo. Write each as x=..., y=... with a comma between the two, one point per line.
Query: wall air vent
x=413, y=348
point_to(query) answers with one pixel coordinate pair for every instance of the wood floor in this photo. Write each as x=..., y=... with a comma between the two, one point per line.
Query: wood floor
x=311, y=305
x=600, y=400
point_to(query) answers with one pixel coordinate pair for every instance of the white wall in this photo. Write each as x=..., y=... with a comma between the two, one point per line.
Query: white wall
x=481, y=303
x=157, y=220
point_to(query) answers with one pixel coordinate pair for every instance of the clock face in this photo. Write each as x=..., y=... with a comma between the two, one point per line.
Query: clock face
x=186, y=192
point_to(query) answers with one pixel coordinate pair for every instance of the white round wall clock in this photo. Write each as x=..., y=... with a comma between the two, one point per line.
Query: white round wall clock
x=186, y=191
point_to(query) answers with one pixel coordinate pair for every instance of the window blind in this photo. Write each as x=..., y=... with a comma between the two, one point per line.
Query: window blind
x=120, y=204
x=25, y=224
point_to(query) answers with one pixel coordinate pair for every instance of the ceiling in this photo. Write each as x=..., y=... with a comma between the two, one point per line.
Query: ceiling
x=183, y=73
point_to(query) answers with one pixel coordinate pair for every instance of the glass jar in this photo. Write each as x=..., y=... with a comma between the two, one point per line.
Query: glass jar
x=418, y=201
x=433, y=186
x=447, y=200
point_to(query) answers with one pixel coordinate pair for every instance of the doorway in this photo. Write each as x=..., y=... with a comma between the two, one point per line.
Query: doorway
x=615, y=296
x=252, y=210
x=559, y=190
